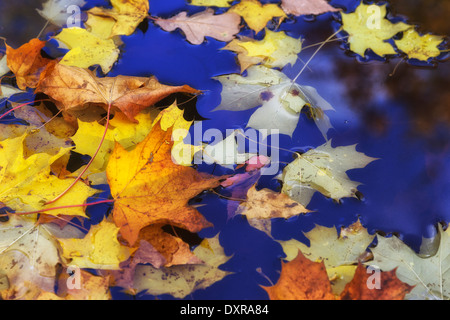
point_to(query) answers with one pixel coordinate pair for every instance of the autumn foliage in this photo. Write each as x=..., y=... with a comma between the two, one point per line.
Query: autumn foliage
x=120, y=124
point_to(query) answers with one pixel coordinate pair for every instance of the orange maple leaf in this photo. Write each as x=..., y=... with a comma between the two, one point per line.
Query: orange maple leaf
x=74, y=89
x=149, y=188
x=303, y=279
x=26, y=62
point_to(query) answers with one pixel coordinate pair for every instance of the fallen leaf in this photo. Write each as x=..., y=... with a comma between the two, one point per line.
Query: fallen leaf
x=92, y=287
x=26, y=62
x=276, y=50
x=367, y=30
x=27, y=184
x=280, y=99
x=74, y=88
x=87, y=49
x=181, y=280
x=222, y=27
x=323, y=169
x=211, y=3
x=419, y=47
x=427, y=272
x=268, y=204
x=390, y=287
x=301, y=279
x=127, y=15
x=305, y=7
x=99, y=249
x=154, y=189
x=339, y=253
x=255, y=14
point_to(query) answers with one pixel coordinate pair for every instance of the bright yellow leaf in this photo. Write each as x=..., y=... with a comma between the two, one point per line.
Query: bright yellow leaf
x=257, y=15
x=368, y=28
x=127, y=15
x=419, y=47
x=99, y=25
x=276, y=50
x=27, y=184
x=211, y=3
x=87, y=49
x=99, y=249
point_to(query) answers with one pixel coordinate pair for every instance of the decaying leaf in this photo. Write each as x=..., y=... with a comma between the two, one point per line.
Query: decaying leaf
x=181, y=280
x=340, y=253
x=419, y=47
x=99, y=249
x=280, y=99
x=323, y=169
x=428, y=273
x=222, y=27
x=74, y=89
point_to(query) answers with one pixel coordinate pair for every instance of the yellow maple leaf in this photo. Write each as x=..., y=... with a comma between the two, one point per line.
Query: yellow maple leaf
x=126, y=14
x=419, y=47
x=87, y=49
x=99, y=249
x=211, y=3
x=368, y=28
x=26, y=184
x=276, y=50
x=257, y=15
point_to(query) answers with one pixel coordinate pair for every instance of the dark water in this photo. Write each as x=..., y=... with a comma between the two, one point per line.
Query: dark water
x=402, y=119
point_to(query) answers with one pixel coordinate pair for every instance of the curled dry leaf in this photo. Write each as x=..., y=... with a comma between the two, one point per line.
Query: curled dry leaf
x=75, y=89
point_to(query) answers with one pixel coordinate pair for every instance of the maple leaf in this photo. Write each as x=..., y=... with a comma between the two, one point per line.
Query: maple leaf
x=181, y=280
x=101, y=27
x=303, y=279
x=367, y=30
x=280, y=99
x=339, y=252
x=276, y=50
x=74, y=88
x=27, y=184
x=391, y=288
x=126, y=14
x=323, y=169
x=29, y=253
x=92, y=288
x=99, y=249
x=154, y=189
x=304, y=7
x=211, y=3
x=257, y=15
x=26, y=62
x=428, y=272
x=267, y=204
x=87, y=49
x=56, y=12
x=419, y=47
x=222, y=27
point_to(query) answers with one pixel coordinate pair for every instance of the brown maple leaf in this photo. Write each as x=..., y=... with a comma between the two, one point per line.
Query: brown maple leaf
x=26, y=62
x=74, y=89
